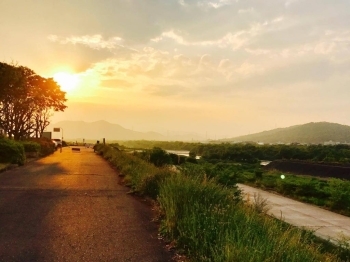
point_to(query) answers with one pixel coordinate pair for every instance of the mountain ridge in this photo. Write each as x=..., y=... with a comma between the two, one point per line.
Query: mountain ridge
x=76, y=130
x=96, y=130
x=313, y=132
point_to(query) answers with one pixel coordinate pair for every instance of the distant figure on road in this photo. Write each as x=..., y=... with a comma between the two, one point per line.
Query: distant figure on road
x=97, y=142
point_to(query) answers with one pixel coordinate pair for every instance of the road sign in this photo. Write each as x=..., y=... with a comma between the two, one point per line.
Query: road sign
x=57, y=129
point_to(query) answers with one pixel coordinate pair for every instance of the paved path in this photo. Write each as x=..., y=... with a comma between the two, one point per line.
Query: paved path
x=70, y=207
x=326, y=224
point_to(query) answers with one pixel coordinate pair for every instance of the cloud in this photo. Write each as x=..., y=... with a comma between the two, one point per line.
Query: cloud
x=220, y=3
x=217, y=57
x=234, y=40
x=165, y=90
x=257, y=51
x=290, y=2
x=156, y=72
x=247, y=69
x=115, y=83
x=92, y=41
x=182, y=2
x=246, y=11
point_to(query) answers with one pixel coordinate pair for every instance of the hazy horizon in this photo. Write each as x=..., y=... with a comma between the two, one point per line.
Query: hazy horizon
x=220, y=68
x=78, y=130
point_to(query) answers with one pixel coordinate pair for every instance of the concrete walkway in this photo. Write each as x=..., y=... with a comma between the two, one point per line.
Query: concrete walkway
x=326, y=224
x=69, y=207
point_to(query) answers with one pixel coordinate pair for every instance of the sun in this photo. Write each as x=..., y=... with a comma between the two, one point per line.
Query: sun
x=68, y=82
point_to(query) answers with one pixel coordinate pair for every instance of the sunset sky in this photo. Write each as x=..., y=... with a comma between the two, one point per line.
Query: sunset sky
x=222, y=67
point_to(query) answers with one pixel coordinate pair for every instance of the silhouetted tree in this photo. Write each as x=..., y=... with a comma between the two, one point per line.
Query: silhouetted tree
x=26, y=100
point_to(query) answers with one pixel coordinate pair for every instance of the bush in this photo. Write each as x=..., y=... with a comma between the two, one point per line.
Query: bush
x=258, y=174
x=159, y=157
x=177, y=159
x=11, y=152
x=31, y=146
x=47, y=147
x=339, y=191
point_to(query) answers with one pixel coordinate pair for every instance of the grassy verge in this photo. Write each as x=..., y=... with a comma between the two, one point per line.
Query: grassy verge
x=209, y=221
x=4, y=166
x=332, y=193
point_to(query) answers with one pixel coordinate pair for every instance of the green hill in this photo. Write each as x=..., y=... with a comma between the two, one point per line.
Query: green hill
x=317, y=133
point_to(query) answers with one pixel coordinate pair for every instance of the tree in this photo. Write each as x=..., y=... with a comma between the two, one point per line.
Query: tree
x=26, y=100
x=41, y=121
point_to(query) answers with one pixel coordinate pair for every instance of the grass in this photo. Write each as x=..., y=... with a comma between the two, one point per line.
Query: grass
x=210, y=222
x=333, y=194
x=142, y=177
x=4, y=166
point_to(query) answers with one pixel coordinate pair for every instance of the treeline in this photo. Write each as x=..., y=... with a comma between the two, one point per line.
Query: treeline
x=250, y=153
x=167, y=145
x=27, y=101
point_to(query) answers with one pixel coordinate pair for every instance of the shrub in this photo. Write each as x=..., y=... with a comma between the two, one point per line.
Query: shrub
x=339, y=191
x=258, y=174
x=47, y=147
x=31, y=146
x=159, y=157
x=177, y=159
x=11, y=152
x=287, y=187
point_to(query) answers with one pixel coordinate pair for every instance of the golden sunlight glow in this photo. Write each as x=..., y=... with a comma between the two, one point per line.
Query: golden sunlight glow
x=68, y=82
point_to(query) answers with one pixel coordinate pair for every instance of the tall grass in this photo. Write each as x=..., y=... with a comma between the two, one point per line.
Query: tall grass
x=143, y=178
x=209, y=221
x=211, y=225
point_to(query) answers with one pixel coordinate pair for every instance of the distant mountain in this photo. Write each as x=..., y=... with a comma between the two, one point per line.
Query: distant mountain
x=75, y=130
x=317, y=133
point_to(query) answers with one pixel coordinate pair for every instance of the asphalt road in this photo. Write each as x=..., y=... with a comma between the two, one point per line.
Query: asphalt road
x=324, y=223
x=70, y=207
